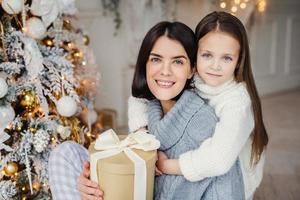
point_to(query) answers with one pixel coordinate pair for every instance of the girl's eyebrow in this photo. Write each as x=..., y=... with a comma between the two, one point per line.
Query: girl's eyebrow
x=225, y=54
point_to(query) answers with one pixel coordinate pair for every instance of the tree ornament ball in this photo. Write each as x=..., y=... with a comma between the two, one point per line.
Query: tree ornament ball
x=11, y=168
x=12, y=6
x=86, y=40
x=28, y=99
x=7, y=115
x=36, y=185
x=92, y=116
x=66, y=106
x=3, y=87
x=35, y=28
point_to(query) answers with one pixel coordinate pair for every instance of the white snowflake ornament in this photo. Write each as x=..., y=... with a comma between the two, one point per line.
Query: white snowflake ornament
x=66, y=106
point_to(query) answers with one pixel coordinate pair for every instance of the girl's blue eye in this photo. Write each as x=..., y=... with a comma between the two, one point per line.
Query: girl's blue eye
x=178, y=62
x=206, y=55
x=228, y=58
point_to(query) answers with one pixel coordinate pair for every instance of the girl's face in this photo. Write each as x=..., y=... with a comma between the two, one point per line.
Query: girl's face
x=167, y=69
x=217, y=57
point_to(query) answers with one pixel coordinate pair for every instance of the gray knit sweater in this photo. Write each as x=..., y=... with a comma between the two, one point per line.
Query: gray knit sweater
x=184, y=128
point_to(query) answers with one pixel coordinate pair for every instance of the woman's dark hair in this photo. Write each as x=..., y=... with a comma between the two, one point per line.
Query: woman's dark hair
x=227, y=23
x=173, y=30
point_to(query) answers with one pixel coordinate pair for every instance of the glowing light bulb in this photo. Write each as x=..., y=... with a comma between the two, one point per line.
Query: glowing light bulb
x=243, y=5
x=233, y=9
x=237, y=1
x=223, y=5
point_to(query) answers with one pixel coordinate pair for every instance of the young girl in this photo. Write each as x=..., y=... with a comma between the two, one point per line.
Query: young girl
x=226, y=81
x=163, y=72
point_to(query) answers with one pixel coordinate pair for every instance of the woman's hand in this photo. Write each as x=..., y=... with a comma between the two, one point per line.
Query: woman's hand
x=89, y=190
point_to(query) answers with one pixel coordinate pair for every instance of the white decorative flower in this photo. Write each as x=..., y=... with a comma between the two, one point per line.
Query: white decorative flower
x=63, y=131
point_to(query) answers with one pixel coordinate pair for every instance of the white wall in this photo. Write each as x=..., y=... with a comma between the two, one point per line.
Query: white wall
x=274, y=42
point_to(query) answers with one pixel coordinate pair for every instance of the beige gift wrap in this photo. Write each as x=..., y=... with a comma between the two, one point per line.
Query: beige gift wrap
x=124, y=169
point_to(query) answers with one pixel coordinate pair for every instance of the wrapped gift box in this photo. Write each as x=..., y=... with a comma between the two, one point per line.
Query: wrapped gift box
x=116, y=174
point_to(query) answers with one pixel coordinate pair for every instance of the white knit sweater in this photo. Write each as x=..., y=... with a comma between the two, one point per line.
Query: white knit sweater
x=231, y=139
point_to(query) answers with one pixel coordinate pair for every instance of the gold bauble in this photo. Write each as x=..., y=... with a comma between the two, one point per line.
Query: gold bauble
x=36, y=185
x=11, y=168
x=28, y=100
x=86, y=40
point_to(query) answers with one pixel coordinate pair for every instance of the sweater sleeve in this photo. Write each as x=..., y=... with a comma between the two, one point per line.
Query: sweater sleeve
x=217, y=154
x=137, y=113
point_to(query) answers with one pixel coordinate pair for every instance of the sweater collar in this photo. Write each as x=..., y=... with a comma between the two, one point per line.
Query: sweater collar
x=208, y=92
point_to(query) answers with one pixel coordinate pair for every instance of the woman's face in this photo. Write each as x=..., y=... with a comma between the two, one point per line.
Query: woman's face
x=167, y=69
x=217, y=57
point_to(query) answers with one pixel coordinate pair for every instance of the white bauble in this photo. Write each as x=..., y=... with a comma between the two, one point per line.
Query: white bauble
x=3, y=87
x=92, y=116
x=41, y=7
x=66, y=106
x=7, y=115
x=35, y=28
x=12, y=6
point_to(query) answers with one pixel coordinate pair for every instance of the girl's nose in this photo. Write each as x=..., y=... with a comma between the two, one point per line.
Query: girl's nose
x=215, y=65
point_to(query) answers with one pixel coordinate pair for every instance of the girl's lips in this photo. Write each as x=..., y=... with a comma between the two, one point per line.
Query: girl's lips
x=214, y=75
x=164, y=84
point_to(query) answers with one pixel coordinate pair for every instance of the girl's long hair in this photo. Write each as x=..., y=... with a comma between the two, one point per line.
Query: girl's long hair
x=227, y=23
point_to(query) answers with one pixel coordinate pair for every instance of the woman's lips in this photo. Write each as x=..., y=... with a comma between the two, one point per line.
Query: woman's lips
x=164, y=83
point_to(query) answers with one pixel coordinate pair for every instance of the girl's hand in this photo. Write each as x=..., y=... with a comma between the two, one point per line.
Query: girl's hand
x=89, y=190
x=157, y=172
x=160, y=163
x=167, y=166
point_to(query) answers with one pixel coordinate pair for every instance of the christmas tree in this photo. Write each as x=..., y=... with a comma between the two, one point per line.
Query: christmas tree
x=47, y=89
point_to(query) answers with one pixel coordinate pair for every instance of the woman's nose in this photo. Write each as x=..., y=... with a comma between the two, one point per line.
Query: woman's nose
x=166, y=69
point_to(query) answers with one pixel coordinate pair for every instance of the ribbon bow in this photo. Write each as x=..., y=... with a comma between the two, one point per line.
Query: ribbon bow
x=110, y=145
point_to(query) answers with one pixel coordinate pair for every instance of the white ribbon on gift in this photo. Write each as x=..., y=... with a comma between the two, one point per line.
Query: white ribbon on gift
x=109, y=145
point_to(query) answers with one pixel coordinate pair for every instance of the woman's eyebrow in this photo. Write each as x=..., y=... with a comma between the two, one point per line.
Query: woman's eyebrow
x=155, y=54
x=181, y=56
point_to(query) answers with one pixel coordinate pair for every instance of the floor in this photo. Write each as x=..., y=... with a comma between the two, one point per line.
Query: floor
x=282, y=170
